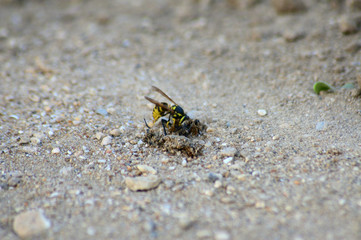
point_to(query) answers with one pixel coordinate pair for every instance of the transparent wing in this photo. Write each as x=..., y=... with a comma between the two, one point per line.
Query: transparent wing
x=165, y=95
x=159, y=104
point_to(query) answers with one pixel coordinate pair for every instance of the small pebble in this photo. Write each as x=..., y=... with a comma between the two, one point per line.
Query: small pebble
x=228, y=160
x=15, y=179
x=47, y=109
x=230, y=189
x=347, y=25
x=217, y=184
x=204, y=234
x=165, y=160
x=208, y=192
x=184, y=162
x=29, y=149
x=142, y=183
x=24, y=140
x=102, y=112
x=168, y=183
x=222, y=235
x=186, y=222
x=106, y=141
x=234, y=130
x=228, y=152
x=90, y=231
x=65, y=171
x=262, y=112
x=146, y=169
x=276, y=137
x=35, y=140
x=34, y=98
x=115, y=132
x=101, y=161
x=99, y=135
x=320, y=126
x=150, y=226
x=30, y=224
x=341, y=202
x=111, y=110
x=292, y=36
x=210, y=130
x=14, y=116
x=214, y=177
x=260, y=204
x=55, y=151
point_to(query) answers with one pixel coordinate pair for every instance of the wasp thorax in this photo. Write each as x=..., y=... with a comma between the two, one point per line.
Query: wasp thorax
x=178, y=109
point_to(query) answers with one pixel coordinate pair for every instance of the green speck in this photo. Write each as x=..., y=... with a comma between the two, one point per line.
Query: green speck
x=321, y=86
x=348, y=86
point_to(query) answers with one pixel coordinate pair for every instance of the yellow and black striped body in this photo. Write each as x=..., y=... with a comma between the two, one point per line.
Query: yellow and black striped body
x=161, y=109
x=159, y=112
x=177, y=118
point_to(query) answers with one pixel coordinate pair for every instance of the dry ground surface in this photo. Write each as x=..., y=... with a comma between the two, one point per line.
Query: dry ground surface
x=73, y=78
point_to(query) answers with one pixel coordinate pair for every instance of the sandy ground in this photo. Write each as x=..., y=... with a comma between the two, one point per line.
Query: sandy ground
x=73, y=78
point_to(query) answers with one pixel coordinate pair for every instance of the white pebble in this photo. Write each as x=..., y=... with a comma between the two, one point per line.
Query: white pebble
x=217, y=184
x=260, y=204
x=142, y=183
x=115, y=132
x=146, y=169
x=55, y=151
x=111, y=110
x=184, y=162
x=276, y=137
x=262, y=112
x=228, y=160
x=99, y=135
x=106, y=141
x=228, y=152
x=222, y=235
x=14, y=116
x=208, y=192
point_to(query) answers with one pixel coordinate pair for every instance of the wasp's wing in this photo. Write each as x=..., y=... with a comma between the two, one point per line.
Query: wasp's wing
x=161, y=92
x=159, y=104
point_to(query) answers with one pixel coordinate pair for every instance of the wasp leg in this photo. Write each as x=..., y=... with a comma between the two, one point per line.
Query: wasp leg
x=146, y=124
x=164, y=122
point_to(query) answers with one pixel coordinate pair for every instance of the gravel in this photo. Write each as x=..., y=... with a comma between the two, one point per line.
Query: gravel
x=73, y=146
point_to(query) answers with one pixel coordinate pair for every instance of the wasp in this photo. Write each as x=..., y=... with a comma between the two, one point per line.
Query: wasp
x=161, y=109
